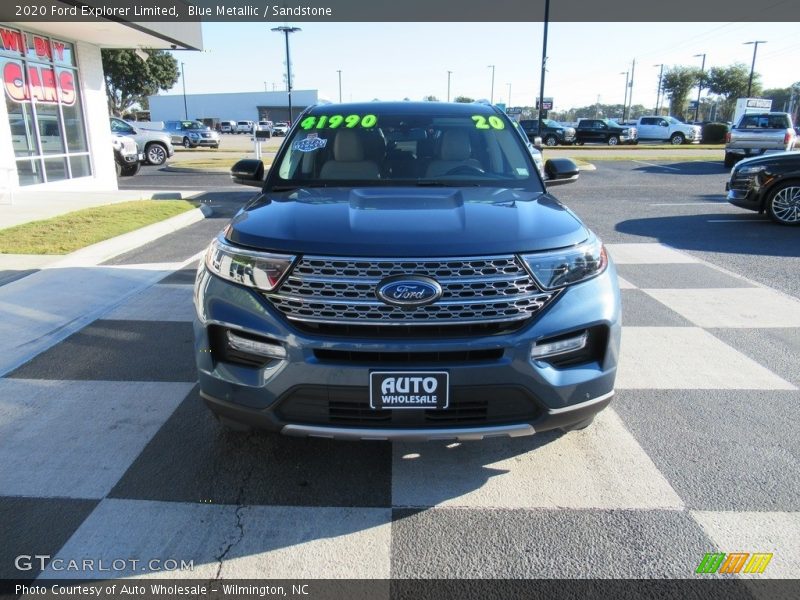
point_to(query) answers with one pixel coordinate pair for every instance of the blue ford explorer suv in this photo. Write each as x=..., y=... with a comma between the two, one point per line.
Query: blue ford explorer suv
x=404, y=274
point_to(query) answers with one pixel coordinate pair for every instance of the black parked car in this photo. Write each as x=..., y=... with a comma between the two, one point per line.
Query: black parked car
x=604, y=131
x=552, y=134
x=768, y=183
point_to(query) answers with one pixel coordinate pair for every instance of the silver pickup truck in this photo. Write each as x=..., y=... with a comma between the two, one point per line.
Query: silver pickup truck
x=759, y=133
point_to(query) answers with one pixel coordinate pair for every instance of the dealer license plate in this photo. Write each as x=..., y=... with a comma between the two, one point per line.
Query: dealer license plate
x=409, y=389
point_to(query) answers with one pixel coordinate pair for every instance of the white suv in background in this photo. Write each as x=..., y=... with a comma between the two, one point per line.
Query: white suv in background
x=668, y=129
x=245, y=127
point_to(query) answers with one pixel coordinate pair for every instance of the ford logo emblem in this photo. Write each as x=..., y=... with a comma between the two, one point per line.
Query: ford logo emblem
x=409, y=290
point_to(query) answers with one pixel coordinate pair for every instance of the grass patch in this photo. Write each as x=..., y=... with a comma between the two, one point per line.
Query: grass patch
x=637, y=147
x=75, y=230
x=662, y=158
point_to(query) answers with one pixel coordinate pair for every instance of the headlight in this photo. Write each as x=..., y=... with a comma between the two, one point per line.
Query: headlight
x=557, y=268
x=754, y=170
x=259, y=270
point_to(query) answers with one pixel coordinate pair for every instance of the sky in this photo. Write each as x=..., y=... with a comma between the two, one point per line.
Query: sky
x=392, y=61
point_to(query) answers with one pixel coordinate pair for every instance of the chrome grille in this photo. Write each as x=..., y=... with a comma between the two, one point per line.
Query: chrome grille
x=475, y=290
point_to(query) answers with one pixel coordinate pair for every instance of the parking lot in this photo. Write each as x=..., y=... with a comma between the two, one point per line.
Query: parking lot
x=109, y=453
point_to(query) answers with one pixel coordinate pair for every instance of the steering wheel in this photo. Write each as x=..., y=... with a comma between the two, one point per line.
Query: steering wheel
x=466, y=170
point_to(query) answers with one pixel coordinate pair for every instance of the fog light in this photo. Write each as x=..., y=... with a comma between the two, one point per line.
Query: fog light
x=570, y=344
x=249, y=346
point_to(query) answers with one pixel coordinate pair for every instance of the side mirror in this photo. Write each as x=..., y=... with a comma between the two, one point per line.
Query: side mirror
x=248, y=172
x=560, y=171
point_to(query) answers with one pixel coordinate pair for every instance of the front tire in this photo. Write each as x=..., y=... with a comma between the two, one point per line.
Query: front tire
x=613, y=140
x=156, y=154
x=677, y=139
x=187, y=143
x=730, y=160
x=130, y=170
x=783, y=204
x=551, y=141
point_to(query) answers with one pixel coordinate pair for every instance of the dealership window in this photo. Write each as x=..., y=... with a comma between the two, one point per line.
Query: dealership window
x=40, y=85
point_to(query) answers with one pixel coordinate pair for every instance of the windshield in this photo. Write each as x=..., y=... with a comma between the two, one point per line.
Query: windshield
x=612, y=123
x=551, y=123
x=461, y=149
x=192, y=125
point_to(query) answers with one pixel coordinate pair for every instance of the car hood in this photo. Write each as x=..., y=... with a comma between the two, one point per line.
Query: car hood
x=402, y=221
x=767, y=159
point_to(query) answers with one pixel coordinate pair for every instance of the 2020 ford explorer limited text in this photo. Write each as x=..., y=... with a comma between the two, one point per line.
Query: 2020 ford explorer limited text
x=404, y=274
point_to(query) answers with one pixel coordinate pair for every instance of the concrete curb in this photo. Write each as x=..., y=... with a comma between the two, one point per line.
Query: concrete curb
x=203, y=170
x=107, y=249
x=171, y=169
x=589, y=167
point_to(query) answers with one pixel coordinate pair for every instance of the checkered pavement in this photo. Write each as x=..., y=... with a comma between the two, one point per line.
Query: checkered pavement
x=107, y=452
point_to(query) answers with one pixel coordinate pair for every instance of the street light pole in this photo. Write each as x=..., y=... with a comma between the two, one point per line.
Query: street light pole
x=544, y=64
x=658, y=92
x=509, y=94
x=286, y=30
x=491, y=99
x=630, y=92
x=700, y=85
x=183, y=80
x=625, y=101
x=448, y=85
x=339, y=71
x=753, y=65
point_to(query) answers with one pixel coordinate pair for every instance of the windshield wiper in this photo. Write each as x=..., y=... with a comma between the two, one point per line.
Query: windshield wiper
x=299, y=186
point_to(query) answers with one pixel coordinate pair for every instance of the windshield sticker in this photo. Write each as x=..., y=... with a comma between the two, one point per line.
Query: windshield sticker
x=523, y=172
x=492, y=122
x=309, y=144
x=334, y=121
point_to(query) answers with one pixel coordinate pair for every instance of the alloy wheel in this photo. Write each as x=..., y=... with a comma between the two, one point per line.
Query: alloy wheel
x=785, y=205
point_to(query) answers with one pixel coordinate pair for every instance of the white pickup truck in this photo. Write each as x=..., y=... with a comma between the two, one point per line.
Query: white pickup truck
x=759, y=133
x=668, y=129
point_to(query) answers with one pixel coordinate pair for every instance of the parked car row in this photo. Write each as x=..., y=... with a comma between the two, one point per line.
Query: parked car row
x=250, y=127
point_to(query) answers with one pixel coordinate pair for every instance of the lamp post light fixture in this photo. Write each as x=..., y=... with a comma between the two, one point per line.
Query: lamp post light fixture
x=286, y=30
x=700, y=85
x=753, y=65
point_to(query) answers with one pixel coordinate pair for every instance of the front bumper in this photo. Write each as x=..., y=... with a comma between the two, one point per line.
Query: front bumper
x=280, y=395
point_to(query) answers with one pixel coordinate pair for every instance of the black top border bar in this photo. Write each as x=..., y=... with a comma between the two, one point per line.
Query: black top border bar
x=378, y=11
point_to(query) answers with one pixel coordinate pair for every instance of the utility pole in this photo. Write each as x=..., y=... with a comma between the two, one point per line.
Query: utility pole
x=509, y=95
x=183, y=80
x=339, y=71
x=544, y=65
x=700, y=85
x=630, y=93
x=286, y=30
x=625, y=101
x=491, y=99
x=658, y=91
x=753, y=65
x=448, y=85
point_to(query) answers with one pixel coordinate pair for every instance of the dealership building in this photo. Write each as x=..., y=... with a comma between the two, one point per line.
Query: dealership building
x=54, y=128
x=236, y=106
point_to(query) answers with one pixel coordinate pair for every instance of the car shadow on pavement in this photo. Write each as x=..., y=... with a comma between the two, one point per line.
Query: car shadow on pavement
x=746, y=233
x=693, y=168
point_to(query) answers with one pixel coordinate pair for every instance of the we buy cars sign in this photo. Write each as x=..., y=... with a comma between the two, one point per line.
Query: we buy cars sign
x=38, y=82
